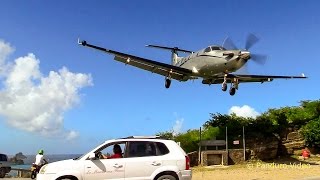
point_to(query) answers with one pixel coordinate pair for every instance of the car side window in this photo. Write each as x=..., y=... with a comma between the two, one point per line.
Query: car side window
x=109, y=151
x=141, y=149
x=146, y=148
x=162, y=148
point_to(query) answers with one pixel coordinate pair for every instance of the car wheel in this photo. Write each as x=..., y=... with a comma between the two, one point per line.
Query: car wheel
x=67, y=178
x=166, y=177
x=33, y=174
x=2, y=172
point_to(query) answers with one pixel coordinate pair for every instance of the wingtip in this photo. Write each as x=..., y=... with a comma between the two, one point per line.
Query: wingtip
x=83, y=43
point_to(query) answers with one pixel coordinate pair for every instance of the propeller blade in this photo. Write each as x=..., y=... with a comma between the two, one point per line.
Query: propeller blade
x=228, y=44
x=259, y=58
x=251, y=40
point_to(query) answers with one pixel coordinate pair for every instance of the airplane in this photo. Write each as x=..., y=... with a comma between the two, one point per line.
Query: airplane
x=214, y=64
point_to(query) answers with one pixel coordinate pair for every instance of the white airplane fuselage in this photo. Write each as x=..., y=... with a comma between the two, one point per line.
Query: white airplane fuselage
x=211, y=63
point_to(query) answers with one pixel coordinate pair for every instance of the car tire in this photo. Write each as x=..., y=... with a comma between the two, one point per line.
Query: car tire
x=166, y=177
x=67, y=178
x=2, y=172
x=33, y=174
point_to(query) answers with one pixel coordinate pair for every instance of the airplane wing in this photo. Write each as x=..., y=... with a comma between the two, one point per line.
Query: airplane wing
x=178, y=73
x=246, y=78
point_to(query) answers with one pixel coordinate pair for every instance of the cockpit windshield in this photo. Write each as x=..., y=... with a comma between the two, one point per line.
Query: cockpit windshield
x=217, y=48
x=214, y=48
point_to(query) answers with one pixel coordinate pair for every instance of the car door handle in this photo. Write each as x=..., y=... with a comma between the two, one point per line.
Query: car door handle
x=117, y=166
x=155, y=163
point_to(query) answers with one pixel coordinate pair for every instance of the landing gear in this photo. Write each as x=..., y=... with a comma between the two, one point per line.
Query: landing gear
x=234, y=85
x=224, y=86
x=167, y=82
x=232, y=91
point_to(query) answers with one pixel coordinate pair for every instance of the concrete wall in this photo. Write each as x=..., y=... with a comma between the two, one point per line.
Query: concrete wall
x=214, y=157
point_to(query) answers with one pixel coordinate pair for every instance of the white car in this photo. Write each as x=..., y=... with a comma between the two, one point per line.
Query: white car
x=141, y=158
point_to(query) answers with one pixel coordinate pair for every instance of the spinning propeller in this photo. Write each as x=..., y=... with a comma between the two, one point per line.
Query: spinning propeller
x=250, y=41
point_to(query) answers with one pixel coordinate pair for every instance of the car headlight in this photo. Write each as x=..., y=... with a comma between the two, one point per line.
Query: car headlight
x=43, y=169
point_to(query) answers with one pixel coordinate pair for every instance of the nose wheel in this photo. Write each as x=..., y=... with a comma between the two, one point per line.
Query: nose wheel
x=167, y=82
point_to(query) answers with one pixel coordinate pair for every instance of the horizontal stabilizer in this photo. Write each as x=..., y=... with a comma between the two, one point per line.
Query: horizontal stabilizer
x=170, y=48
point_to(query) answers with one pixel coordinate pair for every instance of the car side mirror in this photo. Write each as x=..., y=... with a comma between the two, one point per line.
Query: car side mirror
x=92, y=156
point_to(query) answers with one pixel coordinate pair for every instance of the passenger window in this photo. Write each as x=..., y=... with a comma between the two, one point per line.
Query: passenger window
x=162, y=148
x=146, y=148
x=141, y=149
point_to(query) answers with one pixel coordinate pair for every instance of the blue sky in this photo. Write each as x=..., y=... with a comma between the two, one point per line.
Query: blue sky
x=108, y=99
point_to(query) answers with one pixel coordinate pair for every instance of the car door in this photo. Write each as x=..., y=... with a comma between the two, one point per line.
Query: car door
x=142, y=160
x=100, y=169
x=103, y=168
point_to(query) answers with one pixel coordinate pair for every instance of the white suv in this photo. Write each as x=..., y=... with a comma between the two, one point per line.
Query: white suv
x=140, y=158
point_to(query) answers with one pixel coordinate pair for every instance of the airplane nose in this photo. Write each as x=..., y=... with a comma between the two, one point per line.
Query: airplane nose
x=245, y=55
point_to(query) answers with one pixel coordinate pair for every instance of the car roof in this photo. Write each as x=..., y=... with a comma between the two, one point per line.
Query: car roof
x=139, y=138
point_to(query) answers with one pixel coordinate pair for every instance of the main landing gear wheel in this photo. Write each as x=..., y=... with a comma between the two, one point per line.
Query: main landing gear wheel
x=232, y=91
x=167, y=83
x=224, y=86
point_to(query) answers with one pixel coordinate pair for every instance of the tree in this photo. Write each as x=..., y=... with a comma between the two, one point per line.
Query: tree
x=276, y=121
x=166, y=135
x=311, y=132
x=210, y=133
x=233, y=122
x=189, y=141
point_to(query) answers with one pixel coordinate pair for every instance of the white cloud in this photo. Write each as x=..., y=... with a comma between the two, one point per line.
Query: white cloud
x=5, y=51
x=36, y=103
x=177, y=127
x=244, y=111
x=72, y=135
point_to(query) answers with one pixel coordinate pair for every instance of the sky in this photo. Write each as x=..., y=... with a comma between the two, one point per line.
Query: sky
x=64, y=98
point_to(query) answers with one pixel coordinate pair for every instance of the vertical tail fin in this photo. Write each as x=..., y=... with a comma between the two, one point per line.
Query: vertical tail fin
x=174, y=57
x=174, y=51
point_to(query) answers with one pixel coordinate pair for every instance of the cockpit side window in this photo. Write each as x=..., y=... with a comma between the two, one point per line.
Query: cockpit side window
x=208, y=49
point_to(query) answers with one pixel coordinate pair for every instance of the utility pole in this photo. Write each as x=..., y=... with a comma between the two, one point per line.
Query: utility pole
x=199, y=156
x=244, y=144
x=226, y=138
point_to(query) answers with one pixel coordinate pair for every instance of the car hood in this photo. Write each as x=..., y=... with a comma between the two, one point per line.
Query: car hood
x=59, y=166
